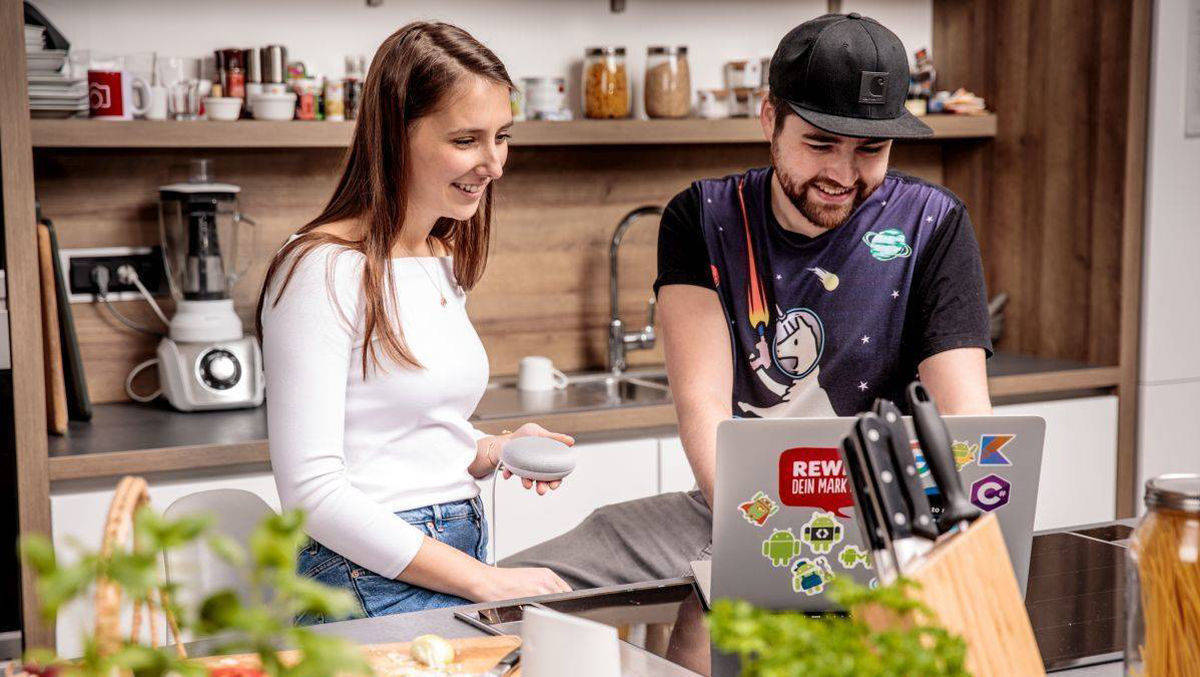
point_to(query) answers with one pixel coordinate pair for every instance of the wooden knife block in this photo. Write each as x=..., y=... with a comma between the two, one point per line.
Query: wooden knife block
x=967, y=581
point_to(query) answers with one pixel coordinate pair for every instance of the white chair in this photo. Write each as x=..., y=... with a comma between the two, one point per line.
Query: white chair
x=195, y=568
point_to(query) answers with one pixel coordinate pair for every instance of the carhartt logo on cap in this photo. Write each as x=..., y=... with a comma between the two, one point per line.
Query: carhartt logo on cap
x=872, y=87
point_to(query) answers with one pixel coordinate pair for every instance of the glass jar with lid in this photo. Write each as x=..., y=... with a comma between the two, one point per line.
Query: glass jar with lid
x=606, y=87
x=668, y=83
x=1163, y=595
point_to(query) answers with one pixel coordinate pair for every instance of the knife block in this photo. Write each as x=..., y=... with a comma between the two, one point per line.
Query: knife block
x=967, y=581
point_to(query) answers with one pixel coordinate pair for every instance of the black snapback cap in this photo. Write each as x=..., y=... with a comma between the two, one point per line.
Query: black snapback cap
x=846, y=74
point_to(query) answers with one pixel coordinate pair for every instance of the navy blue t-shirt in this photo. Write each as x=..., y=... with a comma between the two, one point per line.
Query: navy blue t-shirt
x=821, y=326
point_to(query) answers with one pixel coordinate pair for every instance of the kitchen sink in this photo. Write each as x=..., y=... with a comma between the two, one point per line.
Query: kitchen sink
x=587, y=391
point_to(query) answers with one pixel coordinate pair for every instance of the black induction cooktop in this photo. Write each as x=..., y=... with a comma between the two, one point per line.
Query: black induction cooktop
x=1076, y=595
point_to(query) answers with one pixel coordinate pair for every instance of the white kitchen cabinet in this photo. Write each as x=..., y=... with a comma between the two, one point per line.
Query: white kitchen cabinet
x=607, y=472
x=674, y=471
x=1079, y=461
x=77, y=517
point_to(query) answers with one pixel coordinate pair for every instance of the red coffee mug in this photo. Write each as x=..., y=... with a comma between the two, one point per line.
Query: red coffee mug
x=110, y=95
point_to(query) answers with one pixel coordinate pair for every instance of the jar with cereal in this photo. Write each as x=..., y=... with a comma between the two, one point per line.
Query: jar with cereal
x=668, y=85
x=606, y=87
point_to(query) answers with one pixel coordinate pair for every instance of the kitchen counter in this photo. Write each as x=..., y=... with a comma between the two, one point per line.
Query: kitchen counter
x=1075, y=601
x=125, y=437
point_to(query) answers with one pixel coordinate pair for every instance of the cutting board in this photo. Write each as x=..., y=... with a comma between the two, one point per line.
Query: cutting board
x=56, y=389
x=473, y=656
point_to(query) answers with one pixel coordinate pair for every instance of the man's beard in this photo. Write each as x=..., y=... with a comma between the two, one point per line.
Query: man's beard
x=822, y=216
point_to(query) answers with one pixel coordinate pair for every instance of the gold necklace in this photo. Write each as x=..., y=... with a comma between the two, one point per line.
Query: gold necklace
x=436, y=286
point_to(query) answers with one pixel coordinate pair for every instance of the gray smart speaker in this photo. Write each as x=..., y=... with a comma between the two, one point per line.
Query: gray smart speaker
x=538, y=458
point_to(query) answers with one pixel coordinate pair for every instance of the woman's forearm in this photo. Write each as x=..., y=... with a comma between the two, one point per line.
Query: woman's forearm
x=441, y=567
x=487, y=454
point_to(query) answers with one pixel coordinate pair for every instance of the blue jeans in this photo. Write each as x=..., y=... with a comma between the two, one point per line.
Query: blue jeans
x=460, y=524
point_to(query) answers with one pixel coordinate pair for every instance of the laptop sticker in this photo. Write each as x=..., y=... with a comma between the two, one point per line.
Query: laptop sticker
x=814, y=477
x=991, y=492
x=781, y=547
x=821, y=532
x=758, y=509
x=993, y=449
x=965, y=453
x=852, y=555
x=809, y=576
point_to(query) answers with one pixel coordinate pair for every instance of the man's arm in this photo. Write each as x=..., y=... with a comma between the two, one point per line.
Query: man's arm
x=696, y=342
x=947, y=330
x=957, y=380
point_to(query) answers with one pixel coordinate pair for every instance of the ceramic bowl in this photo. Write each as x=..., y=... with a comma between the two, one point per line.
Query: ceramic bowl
x=273, y=106
x=222, y=107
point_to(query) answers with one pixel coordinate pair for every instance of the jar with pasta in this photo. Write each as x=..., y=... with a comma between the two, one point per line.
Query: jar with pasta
x=668, y=84
x=606, y=87
x=1163, y=604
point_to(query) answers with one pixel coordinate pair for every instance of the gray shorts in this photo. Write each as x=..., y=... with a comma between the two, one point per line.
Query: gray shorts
x=642, y=540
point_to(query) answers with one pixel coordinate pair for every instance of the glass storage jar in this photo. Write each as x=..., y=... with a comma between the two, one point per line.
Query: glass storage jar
x=606, y=90
x=668, y=83
x=1162, y=635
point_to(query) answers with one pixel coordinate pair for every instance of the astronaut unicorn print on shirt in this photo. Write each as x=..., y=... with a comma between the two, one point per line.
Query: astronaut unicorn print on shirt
x=796, y=352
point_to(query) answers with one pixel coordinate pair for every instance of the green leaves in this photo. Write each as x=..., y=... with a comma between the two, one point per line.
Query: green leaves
x=259, y=619
x=778, y=644
x=274, y=543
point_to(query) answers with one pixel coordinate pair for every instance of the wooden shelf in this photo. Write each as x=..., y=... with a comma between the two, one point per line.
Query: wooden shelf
x=133, y=438
x=82, y=133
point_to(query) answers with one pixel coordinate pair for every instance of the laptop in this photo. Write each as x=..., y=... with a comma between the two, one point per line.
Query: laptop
x=783, y=517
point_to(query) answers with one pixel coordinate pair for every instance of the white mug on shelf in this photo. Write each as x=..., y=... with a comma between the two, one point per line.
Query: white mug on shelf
x=158, y=103
x=538, y=373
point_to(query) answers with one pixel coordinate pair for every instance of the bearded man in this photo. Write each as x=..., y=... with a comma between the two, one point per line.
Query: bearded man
x=806, y=288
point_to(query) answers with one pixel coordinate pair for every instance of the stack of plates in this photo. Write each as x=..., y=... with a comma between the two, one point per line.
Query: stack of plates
x=52, y=93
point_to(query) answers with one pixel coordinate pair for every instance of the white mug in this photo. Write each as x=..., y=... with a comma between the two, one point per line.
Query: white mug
x=538, y=373
x=157, y=109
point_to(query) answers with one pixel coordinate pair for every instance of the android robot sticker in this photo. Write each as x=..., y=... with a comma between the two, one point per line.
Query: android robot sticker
x=821, y=532
x=852, y=556
x=781, y=547
x=796, y=352
x=809, y=576
x=758, y=509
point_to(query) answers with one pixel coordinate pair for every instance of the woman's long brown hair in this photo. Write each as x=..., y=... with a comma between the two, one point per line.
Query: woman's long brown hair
x=413, y=70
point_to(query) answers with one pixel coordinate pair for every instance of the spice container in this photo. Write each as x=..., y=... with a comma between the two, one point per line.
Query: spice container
x=743, y=74
x=668, y=83
x=252, y=59
x=274, y=69
x=335, y=110
x=714, y=104
x=1163, y=594
x=232, y=72
x=606, y=92
x=544, y=98
x=355, y=74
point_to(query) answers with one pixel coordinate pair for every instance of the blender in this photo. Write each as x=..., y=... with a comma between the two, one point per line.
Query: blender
x=205, y=361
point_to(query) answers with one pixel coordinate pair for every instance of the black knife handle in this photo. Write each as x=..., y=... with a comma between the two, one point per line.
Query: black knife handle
x=866, y=509
x=872, y=434
x=900, y=444
x=936, y=444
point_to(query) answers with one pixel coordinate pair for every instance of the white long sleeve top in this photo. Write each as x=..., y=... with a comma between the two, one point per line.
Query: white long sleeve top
x=352, y=452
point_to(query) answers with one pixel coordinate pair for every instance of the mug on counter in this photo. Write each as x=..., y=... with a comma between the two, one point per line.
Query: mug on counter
x=110, y=94
x=536, y=373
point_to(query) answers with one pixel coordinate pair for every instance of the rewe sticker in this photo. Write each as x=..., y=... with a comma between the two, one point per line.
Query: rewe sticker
x=814, y=477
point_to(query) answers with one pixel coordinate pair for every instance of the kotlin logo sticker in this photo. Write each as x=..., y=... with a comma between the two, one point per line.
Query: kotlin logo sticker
x=814, y=477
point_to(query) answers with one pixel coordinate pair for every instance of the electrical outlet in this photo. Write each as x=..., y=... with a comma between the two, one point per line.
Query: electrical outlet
x=77, y=265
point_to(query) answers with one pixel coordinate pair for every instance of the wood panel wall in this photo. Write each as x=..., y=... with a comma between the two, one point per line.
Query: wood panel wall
x=546, y=287
x=1047, y=195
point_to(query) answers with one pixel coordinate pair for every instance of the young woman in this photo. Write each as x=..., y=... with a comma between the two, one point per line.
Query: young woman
x=372, y=365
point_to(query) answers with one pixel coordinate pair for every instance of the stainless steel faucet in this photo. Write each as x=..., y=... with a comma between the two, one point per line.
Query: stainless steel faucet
x=620, y=341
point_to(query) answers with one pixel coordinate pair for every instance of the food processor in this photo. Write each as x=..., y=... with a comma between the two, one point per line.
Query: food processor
x=205, y=361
